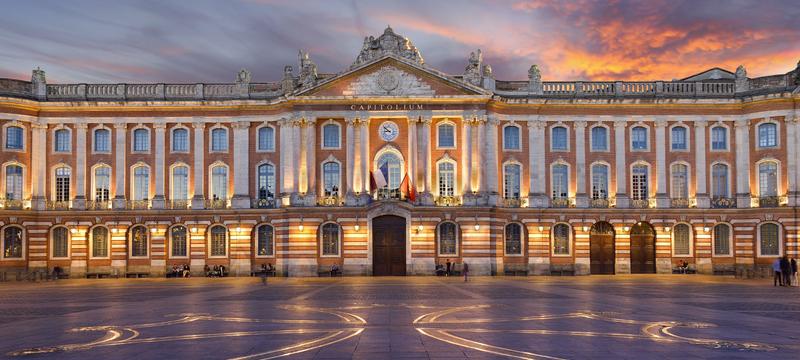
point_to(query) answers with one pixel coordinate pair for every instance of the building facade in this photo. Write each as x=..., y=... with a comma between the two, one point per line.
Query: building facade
x=390, y=167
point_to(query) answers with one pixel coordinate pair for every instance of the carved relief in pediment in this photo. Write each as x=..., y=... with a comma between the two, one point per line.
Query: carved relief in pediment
x=388, y=80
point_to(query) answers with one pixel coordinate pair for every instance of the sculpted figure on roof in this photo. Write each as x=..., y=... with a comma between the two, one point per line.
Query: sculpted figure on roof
x=387, y=43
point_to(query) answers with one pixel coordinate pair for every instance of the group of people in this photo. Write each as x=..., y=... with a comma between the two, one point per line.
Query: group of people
x=447, y=269
x=785, y=271
x=216, y=271
x=179, y=271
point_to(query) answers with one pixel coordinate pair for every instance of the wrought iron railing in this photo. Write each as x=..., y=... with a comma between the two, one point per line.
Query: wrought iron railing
x=98, y=205
x=599, y=203
x=388, y=194
x=262, y=203
x=138, y=204
x=330, y=200
x=178, y=204
x=512, y=202
x=640, y=203
x=679, y=203
x=560, y=202
x=12, y=204
x=216, y=203
x=723, y=202
x=772, y=201
x=448, y=201
x=58, y=205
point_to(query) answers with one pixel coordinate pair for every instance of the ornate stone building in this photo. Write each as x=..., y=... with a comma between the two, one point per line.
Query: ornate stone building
x=391, y=167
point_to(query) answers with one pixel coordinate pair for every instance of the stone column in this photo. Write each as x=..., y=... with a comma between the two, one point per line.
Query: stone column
x=120, y=134
x=311, y=162
x=159, y=200
x=466, y=161
x=198, y=200
x=581, y=197
x=479, y=157
x=701, y=187
x=792, y=164
x=295, y=154
x=491, y=159
x=364, y=160
x=537, y=197
x=241, y=165
x=743, y=163
x=286, y=159
x=661, y=175
x=411, y=172
x=38, y=166
x=350, y=167
x=79, y=203
x=622, y=198
x=426, y=197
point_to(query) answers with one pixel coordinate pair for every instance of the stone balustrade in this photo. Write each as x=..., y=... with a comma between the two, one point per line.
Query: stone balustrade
x=134, y=92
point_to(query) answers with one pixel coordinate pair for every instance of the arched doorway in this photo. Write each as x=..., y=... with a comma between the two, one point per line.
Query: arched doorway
x=388, y=246
x=602, y=248
x=643, y=249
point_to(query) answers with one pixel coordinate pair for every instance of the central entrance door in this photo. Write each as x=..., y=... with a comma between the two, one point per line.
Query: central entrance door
x=602, y=248
x=388, y=246
x=643, y=249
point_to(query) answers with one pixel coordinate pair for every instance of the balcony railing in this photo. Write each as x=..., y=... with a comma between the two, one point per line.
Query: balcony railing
x=388, y=194
x=263, y=203
x=98, y=205
x=330, y=200
x=448, y=201
x=11, y=204
x=640, y=203
x=680, y=203
x=138, y=204
x=216, y=203
x=178, y=204
x=723, y=202
x=561, y=202
x=600, y=203
x=58, y=205
x=512, y=202
x=771, y=201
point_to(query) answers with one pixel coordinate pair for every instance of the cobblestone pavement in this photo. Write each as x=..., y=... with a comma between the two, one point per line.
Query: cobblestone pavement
x=642, y=317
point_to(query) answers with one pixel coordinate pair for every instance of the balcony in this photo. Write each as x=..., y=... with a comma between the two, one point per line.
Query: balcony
x=217, y=204
x=98, y=205
x=58, y=205
x=12, y=204
x=330, y=200
x=770, y=201
x=263, y=203
x=178, y=204
x=723, y=203
x=679, y=203
x=138, y=204
x=512, y=202
x=388, y=194
x=561, y=202
x=600, y=203
x=640, y=203
x=447, y=201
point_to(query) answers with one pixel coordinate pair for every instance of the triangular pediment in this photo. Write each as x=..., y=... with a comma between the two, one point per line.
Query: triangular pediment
x=391, y=76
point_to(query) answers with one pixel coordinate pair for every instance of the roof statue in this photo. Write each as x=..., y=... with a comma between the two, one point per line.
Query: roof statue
x=243, y=77
x=740, y=80
x=535, y=80
x=308, y=70
x=387, y=43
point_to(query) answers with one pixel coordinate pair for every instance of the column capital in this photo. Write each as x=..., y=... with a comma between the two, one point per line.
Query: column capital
x=351, y=121
x=243, y=124
x=160, y=126
x=742, y=123
x=580, y=124
x=426, y=119
x=660, y=123
x=81, y=125
x=620, y=124
x=700, y=123
x=199, y=125
x=536, y=124
x=492, y=120
x=120, y=125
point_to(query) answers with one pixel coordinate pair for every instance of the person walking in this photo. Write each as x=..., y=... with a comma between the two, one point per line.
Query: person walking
x=466, y=271
x=776, y=267
x=447, y=272
x=786, y=271
x=794, y=272
x=263, y=274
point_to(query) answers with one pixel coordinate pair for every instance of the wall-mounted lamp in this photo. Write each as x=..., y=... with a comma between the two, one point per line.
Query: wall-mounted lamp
x=477, y=227
x=419, y=229
x=238, y=229
x=666, y=228
x=357, y=227
x=153, y=230
x=194, y=229
x=73, y=230
x=541, y=228
x=585, y=228
x=626, y=229
x=706, y=229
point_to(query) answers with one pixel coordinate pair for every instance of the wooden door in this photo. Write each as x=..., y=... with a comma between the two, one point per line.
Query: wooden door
x=602, y=253
x=643, y=249
x=388, y=246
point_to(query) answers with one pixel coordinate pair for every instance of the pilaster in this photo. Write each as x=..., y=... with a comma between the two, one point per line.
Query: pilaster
x=661, y=175
x=792, y=161
x=350, y=167
x=581, y=197
x=490, y=170
x=620, y=145
x=466, y=161
x=701, y=187
x=120, y=133
x=241, y=165
x=743, y=163
x=426, y=196
x=364, y=163
x=159, y=201
x=79, y=202
x=537, y=196
x=311, y=162
x=198, y=200
x=38, y=166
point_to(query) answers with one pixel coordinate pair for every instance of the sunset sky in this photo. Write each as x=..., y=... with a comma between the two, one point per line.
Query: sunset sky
x=209, y=41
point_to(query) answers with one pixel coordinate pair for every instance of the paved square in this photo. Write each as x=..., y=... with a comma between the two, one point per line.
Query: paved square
x=650, y=317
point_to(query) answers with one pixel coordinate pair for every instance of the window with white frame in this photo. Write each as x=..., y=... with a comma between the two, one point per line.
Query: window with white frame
x=448, y=239
x=59, y=242
x=100, y=242
x=12, y=242
x=141, y=140
x=180, y=183
x=679, y=138
x=599, y=138
x=102, y=140
x=560, y=181
x=512, y=174
x=180, y=140
x=511, y=138
x=219, y=139
x=265, y=241
x=680, y=181
x=768, y=179
x=219, y=240
x=219, y=183
x=141, y=183
x=513, y=240
x=330, y=136
x=102, y=183
x=558, y=139
x=681, y=238
x=331, y=175
x=561, y=239
x=719, y=138
x=769, y=240
x=640, y=182
x=14, y=138
x=13, y=182
x=446, y=136
x=138, y=241
x=390, y=166
x=719, y=181
x=178, y=241
x=62, y=140
x=639, y=138
x=266, y=182
x=266, y=139
x=447, y=179
x=63, y=176
x=767, y=135
x=330, y=239
x=599, y=182
x=722, y=240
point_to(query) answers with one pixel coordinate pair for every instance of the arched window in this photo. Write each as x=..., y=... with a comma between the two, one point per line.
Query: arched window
x=769, y=242
x=511, y=137
x=219, y=139
x=219, y=183
x=102, y=140
x=768, y=179
x=448, y=239
x=99, y=242
x=102, y=183
x=719, y=181
x=141, y=183
x=14, y=138
x=599, y=138
x=679, y=138
x=639, y=138
x=62, y=140
x=265, y=241
x=219, y=240
x=141, y=140
x=767, y=135
x=13, y=182
x=560, y=181
x=180, y=183
x=63, y=175
x=330, y=239
x=680, y=181
x=390, y=166
x=330, y=136
x=599, y=182
x=138, y=241
x=719, y=138
x=266, y=139
x=722, y=240
x=266, y=182
x=682, y=240
x=12, y=242
x=180, y=140
x=558, y=139
x=447, y=179
x=639, y=179
x=178, y=241
x=511, y=181
x=513, y=239
x=59, y=242
x=331, y=178
x=446, y=136
x=561, y=239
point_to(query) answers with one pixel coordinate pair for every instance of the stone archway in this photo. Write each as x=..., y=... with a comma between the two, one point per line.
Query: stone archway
x=643, y=249
x=602, y=253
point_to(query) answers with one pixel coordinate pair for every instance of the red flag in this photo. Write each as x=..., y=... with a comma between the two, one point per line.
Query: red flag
x=408, y=189
x=372, y=181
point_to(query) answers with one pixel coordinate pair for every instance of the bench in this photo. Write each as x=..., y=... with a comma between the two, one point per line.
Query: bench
x=270, y=273
x=562, y=271
x=97, y=275
x=137, y=275
x=327, y=272
x=725, y=272
x=690, y=270
x=511, y=272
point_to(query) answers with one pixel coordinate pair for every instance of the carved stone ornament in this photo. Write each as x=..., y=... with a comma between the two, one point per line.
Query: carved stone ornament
x=388, y=80
x=243, y=77
x=387, y=43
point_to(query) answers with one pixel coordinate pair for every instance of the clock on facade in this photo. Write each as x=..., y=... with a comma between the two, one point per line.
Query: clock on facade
x=388, y=131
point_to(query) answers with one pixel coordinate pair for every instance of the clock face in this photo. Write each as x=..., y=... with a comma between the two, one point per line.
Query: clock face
x=388, y=131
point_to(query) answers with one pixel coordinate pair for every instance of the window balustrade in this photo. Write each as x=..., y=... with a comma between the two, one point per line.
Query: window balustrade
x=512, y=202
x=600, y=203
x=330, y=200
x=217, y=203
x=58, y=205
x=138, y=204
x=388, y=194
x=562, y=202
x=640, y=203
x=448, y=201
x=723, y=202
x=769, y=201
x=98, y=205
x=12, y=204
x=178, y=204
x=263, y=203
x=679, y=203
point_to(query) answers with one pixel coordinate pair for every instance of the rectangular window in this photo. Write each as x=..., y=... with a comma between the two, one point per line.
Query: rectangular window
x=719, y=138
x=679, y=138
x=446, y=179
x=639, y=179
x=722, y=240
x=599, y=138
x=180, y=140
x=768, y=179
x=639, y=138
x=62, y=184
x=266, y=139
x=330, y=136
x=511, y=138
x=102, y=184
x=511, y=183
x=559, y=139
x=599, y=182
x=14, y=138
x=102, y=140
x=446, y=136
x=560, y=181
